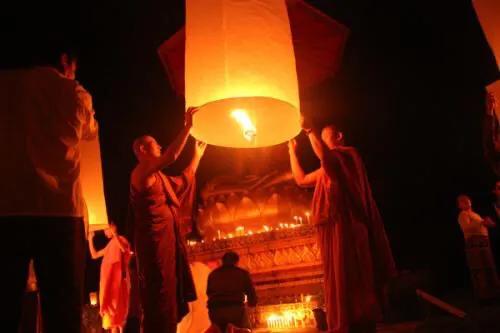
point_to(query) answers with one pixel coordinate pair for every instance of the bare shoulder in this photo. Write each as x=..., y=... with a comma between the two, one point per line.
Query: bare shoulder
x=141, y=178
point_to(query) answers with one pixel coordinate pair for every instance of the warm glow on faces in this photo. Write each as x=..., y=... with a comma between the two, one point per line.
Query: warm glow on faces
x=464, y=202
x=69, y=67
x=151, y=147
x=111, y=231
x=247, y=126
x=71, y=70
x=328, y=135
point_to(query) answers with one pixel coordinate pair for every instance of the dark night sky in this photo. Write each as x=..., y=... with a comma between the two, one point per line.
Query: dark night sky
x=409, y=96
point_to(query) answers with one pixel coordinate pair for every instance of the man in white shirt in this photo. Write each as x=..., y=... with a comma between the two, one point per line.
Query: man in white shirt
x=478, y=251
x=44, y=115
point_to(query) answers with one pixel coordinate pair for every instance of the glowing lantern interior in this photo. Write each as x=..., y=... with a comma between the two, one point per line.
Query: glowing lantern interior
x=92, y=184
x=240, y=70
x=488, y=12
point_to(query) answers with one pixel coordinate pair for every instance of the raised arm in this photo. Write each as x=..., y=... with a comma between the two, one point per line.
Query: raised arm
x=93, y=253
x=199, y=150
x=301, y=178
x=317, y=144
x=173, y=151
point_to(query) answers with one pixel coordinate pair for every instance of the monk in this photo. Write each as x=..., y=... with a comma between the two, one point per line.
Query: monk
x=114, y=286
x=157, y=199
x=355, y=251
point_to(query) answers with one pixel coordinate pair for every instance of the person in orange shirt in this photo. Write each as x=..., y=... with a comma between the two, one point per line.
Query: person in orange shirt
x=114, y=286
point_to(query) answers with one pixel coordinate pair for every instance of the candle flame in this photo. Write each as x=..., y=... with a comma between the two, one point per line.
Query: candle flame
x=242, y=118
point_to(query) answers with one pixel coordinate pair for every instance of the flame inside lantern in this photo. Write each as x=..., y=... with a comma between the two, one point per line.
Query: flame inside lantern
x=242, y=118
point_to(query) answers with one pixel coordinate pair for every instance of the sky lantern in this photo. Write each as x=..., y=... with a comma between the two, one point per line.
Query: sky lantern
x=240, y=70
x=92, y=184
x=239, y=65
x=488, y=12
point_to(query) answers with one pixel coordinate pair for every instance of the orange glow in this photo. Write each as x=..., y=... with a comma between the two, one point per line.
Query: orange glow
x=286, y=316
x=92, y=184
x=240, y=62
x=488, y=12
x=93, y=298
x=242, y=118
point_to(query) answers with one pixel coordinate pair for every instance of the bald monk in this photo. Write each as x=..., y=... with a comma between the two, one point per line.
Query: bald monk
x=165, y=280
x=355, y=251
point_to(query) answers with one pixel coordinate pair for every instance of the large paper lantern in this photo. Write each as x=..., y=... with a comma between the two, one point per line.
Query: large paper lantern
x=92, y=184
x=318, y=43
x=240, y=70
x=488, y=12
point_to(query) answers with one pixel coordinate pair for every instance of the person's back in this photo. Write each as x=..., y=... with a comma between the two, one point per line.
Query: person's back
x=44, y=114
x=227, y=287
x=43, y=119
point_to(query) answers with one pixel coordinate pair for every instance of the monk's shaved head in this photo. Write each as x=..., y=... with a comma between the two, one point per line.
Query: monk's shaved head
x=145, y=144
x=332, y=136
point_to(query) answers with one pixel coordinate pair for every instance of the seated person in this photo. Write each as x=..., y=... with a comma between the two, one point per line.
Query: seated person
x=226, y=290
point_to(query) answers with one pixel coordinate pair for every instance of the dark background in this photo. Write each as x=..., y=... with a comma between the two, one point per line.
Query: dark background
x=410, y=97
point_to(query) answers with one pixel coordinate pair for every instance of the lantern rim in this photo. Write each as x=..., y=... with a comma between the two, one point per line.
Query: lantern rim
x=275, y=121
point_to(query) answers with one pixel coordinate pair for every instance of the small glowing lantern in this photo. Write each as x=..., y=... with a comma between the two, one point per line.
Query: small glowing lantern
x=93, y=298
x=240, y=70
x=92, y=184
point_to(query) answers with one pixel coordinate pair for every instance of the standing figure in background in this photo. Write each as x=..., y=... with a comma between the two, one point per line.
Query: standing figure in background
x=227, y=287
x=496, y=202
x=491, y=133
x=114, y=285
x=166, y=283
x=44, y=116
x=477, y=248
x=355, y=251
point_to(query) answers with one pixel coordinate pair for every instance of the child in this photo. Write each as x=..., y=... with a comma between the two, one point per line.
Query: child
x=114, y=286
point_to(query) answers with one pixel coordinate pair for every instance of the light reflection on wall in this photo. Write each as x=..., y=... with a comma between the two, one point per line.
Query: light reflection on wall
x=241, y=231
x=290, y=315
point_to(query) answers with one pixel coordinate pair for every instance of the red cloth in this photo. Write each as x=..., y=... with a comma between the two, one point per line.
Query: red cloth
x=114, y=287
x=356, y=254
x=318, y=41
x=166, y=283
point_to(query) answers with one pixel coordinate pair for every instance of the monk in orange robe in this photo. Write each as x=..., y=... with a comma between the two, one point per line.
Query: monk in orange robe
x=158, y=201
x=114, y=286
x=355, y=251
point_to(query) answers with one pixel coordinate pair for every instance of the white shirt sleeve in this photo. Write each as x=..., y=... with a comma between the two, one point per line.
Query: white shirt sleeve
x=86, y=113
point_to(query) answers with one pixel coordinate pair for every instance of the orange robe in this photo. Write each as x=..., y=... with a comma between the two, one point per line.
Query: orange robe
x=114, y=289
x=165, y=279
x=355, y=251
